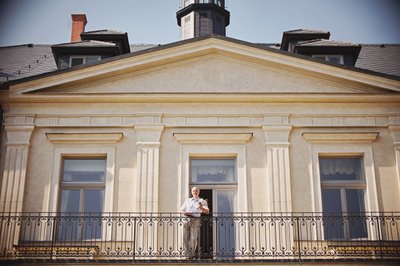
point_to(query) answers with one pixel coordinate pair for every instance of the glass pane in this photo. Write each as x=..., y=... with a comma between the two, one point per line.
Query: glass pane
x=68, y=223
x=340, y=169
x=76, y=61
x=93, y=206
x=225, y=224
x=70, y=199
x=356, y=209
x=94, y=199
x=332, y=214
x=84, y=170
x=213, y=171
x=92, y=59
x=334, y=59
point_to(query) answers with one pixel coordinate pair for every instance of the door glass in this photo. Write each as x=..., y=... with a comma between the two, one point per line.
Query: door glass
x=333, y=218
x=355, y=207
x=225, y=223
x=68, y=224
x=93, y=205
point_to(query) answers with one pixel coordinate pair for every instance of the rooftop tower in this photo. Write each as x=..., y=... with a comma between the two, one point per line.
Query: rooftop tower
x=202, y=17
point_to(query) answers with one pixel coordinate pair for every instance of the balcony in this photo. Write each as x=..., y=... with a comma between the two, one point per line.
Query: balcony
x=238, y=237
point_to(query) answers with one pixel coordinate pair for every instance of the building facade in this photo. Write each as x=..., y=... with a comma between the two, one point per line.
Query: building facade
x=299, y=159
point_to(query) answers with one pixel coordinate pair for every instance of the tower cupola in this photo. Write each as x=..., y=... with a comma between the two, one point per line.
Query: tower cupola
x=202, y=17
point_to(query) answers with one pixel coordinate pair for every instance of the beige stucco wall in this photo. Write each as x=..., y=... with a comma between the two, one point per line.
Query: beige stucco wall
x=131, y=108
x=41, y=152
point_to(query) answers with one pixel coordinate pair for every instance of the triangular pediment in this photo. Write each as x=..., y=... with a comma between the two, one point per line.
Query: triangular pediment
x=210, y=65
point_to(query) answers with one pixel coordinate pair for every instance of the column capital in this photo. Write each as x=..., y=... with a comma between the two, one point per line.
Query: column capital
x=277, y=134
x=19, y=135
x=395, y=132
x=148, y=133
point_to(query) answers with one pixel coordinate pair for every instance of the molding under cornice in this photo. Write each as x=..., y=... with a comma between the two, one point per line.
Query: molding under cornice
x=341, y=137
x=82, y=138
x=213, y=137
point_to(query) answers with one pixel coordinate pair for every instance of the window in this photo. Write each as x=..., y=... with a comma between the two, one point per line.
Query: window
x=81, y=60
x=343, y=190
x=337, y=59
x=213, y=171
x=82, y=187
x=219, y=2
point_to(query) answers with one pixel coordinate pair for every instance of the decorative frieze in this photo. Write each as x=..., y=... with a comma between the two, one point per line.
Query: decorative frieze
x=209, y=120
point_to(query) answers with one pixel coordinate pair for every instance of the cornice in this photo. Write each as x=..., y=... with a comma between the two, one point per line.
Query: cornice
x=204, y=98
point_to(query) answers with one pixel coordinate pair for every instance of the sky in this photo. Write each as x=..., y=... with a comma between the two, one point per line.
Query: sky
x=154, y=21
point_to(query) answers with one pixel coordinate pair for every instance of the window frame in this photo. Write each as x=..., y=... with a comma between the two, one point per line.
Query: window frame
x=82, y=152
x=326, y=57
x=363, y=150
x=84, y=59
x=81, y=186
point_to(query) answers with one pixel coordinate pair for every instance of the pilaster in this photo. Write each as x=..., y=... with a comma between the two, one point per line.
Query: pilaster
x=16, y=160
x=278, y=168
x=148, y=156
x=395, y=131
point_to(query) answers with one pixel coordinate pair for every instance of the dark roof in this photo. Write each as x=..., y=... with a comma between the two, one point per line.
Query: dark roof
x=16, y=58
x=86, y=44
x=383, y=58
x=21, y=61
x=305, y=31
x=324, y=42
x=294, y=36
x=105, y=32
x=118, y=37
x=26, y=60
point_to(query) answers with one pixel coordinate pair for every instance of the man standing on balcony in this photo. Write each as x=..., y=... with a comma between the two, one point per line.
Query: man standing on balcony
x=192, y=208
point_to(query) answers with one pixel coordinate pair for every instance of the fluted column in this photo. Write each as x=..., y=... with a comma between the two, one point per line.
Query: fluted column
x=278, y=168
x=14, y=175
x=148, y=147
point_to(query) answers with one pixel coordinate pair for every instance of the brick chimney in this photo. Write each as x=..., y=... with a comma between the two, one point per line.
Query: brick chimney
x=78, y=26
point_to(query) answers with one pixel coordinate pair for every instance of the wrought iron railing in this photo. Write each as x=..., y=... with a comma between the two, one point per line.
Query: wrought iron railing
x=237, y=237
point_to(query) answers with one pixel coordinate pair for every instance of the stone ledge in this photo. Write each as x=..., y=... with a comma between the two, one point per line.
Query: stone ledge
x=59, y=138
x=213, y=137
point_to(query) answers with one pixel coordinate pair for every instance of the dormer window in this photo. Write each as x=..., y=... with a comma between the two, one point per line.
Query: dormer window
x=82, y=60
x=337, y=59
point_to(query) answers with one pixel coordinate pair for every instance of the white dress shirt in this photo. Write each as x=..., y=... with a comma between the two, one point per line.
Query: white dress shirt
x=192, y=205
